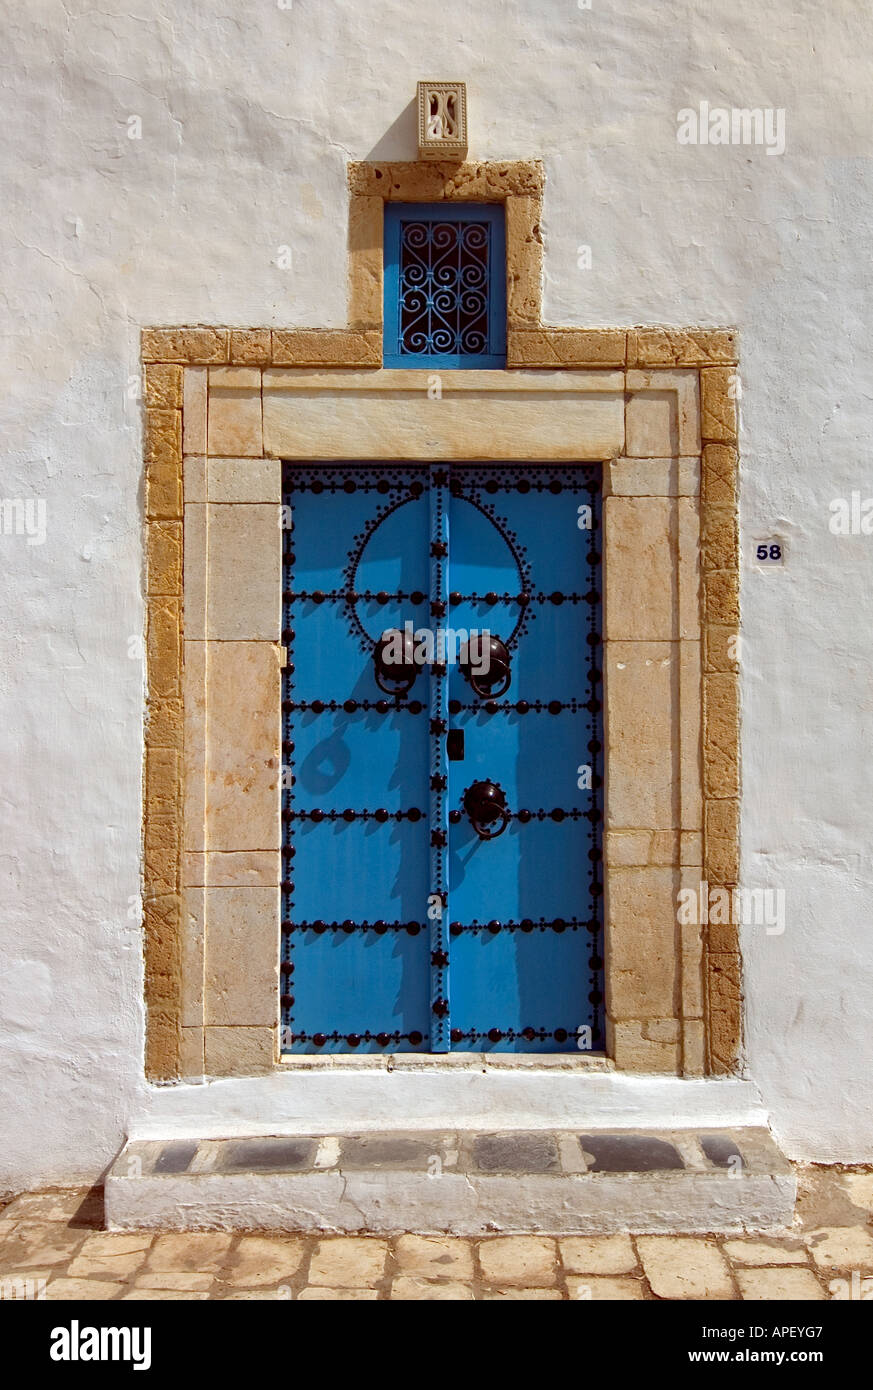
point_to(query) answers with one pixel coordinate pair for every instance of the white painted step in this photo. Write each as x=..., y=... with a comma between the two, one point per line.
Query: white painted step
x=462, y=1182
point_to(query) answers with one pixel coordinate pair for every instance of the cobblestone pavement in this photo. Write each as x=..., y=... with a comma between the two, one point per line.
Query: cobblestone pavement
x=54, y=1240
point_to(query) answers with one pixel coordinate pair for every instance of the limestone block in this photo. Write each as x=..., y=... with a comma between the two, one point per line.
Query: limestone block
x=194, y=410
x=243, y=758
x=235, y=426
x=324, y=348
x=565, y=347
x=164, y=557
x=242, y=956
x=675, y=347
x=163, y=386
x=239, y=1051
x=722, y=841
x=366, y=230
x=652, y=477
x=639, y=565
x=651, y=427
x=190, y=345
x=718, y=406
x=251, y=346
x=524, y=261
x=643, y=766
x=719, y=475
x=721, y=735
x=641, y=945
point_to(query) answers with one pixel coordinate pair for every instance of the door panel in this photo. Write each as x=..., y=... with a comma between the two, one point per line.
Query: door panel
x=402, y=928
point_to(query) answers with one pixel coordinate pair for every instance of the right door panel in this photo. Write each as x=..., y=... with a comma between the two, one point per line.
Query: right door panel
x=524, y=853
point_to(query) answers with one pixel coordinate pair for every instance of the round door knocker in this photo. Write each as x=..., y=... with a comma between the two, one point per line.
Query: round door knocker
x=394, y=662
x=485, y=663
x=485, y=804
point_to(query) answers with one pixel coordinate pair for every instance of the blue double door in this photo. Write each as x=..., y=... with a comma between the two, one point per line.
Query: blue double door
x=442, y=758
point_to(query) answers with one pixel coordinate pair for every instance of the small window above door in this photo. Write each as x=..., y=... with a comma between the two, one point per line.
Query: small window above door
x=445, y=285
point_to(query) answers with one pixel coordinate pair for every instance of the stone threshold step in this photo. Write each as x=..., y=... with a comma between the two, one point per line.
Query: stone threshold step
x=466, y=1183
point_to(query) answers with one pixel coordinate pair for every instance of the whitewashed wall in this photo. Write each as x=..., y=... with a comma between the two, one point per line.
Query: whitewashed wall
x=249, y=114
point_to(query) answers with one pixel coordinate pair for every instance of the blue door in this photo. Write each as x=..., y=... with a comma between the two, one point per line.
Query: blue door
x=442, y=763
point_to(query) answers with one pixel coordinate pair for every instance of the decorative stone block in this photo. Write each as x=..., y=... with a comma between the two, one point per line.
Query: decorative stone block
x=442, y=120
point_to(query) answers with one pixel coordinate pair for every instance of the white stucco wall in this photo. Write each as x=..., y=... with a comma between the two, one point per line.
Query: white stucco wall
x=249, y=114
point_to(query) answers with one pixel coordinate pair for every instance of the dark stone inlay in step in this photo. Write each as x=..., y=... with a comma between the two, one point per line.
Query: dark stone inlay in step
x=279, y=1154
x=175, y=1156
x=387, y=1151
x=721, y=1151
x=515, y=1153
x=628, y=1153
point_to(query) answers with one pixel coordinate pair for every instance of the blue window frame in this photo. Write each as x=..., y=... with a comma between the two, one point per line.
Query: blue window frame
x=445, y=285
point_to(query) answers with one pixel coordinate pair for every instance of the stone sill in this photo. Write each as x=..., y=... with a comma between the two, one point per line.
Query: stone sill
x=450, y=1061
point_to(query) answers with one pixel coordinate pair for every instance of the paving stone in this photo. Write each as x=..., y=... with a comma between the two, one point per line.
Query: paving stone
x=323, y=1295
x=31, y=1244
x=515, y=1153
x=598, y=1289
x=524, y=1260
x=841, y=1247
x=260, y=1260
x=63, y=1289
x=189, y=1251
x=763, y=1252
x=193, y=1280
x=684, y=1267
x=81, y=1205
x=721, y=1151
x=541, y=1295
x=435, y=1257
x=388, y=1151
x=110, y=1255
x=788, y=1282
x=421, y=1290
x=628, y=1153
x=268, y=1155
x=597, y=1254
x=348, y=1262
x=154, y=1295
x=176, y=1157
x=858, y=1186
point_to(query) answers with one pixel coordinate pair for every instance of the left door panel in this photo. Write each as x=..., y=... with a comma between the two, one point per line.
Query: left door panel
x=355, y=797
